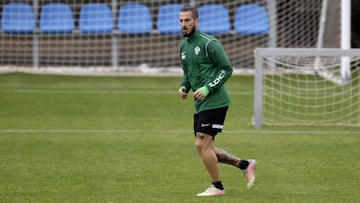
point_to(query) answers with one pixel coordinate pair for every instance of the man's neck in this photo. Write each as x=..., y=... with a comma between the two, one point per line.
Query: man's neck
x=192, y=34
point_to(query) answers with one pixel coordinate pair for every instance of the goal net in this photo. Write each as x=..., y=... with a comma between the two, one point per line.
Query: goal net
x=290, y=91
x=121, y=35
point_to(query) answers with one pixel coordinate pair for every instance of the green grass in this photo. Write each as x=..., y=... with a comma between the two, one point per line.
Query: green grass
x=129, y=139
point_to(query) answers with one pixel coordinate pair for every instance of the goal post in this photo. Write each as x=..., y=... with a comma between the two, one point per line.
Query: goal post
x=292, y=92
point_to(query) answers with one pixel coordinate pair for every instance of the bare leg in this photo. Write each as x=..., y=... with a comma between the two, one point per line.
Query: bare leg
x=226, y=158
x=206, y=149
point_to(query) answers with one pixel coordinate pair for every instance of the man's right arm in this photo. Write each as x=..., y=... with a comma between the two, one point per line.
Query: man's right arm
x=184, y=86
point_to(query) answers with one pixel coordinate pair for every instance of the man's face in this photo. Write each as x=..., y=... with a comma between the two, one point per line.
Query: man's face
x=188, y=23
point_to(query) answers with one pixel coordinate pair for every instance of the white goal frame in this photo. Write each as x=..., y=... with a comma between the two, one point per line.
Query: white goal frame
x=261, y=70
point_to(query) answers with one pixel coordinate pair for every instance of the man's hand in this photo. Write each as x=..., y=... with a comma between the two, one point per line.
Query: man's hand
x=182, y=93
x=201, y=93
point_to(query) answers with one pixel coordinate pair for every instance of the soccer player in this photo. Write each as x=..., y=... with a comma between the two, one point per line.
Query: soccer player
x=206, y=68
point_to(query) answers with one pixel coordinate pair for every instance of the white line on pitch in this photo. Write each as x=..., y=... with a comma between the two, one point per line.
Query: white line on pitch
x=54, y=91
x=176, y=131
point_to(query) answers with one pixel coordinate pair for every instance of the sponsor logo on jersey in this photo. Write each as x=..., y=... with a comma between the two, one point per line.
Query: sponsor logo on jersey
x=217, y=79
x=183, y=57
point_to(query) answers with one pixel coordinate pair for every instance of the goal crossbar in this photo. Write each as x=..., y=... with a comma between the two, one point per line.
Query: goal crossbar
x=306, y=52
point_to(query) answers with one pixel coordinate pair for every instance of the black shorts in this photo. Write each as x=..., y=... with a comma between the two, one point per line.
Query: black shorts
x=210, y=122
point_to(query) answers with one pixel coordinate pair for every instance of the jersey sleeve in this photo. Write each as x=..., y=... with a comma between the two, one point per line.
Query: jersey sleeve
x=185, y=80
x=218, y=56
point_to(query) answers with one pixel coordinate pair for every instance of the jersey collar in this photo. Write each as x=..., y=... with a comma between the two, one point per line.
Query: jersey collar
x=193, y=36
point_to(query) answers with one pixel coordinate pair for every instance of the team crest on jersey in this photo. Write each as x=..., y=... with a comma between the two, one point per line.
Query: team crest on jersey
x=197, y=50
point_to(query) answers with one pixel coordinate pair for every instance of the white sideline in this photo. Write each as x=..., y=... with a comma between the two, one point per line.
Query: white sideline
x=60, y=91
x=127, y=131
x=140, y=71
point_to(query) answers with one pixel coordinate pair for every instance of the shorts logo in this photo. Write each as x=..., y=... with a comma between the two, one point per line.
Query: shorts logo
x=217, y=126
x=205, y=125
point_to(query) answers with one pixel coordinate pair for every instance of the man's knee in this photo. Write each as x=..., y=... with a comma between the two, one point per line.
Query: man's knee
x=201, y=141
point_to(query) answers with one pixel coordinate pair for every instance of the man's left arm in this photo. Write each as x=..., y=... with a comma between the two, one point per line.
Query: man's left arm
x=221, y=61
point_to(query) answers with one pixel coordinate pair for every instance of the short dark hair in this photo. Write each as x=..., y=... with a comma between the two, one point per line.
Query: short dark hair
x=193, y=10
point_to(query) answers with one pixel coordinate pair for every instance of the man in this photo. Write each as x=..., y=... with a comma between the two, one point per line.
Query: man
x=206, y=68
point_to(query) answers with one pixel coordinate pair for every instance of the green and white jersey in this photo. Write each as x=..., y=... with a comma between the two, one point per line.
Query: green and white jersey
x=205, y=63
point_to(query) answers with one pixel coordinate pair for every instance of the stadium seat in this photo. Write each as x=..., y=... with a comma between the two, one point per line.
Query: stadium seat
x=168, y=19
x=18, y=18
x=251, y=19
x=214, y=19
x=95, y=18
x=56, y=18
x=135, y=18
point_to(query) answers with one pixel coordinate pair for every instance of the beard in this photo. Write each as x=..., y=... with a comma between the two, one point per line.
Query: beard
x=188, y=34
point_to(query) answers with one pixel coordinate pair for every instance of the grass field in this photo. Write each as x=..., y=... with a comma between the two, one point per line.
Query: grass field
x=129, y=139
